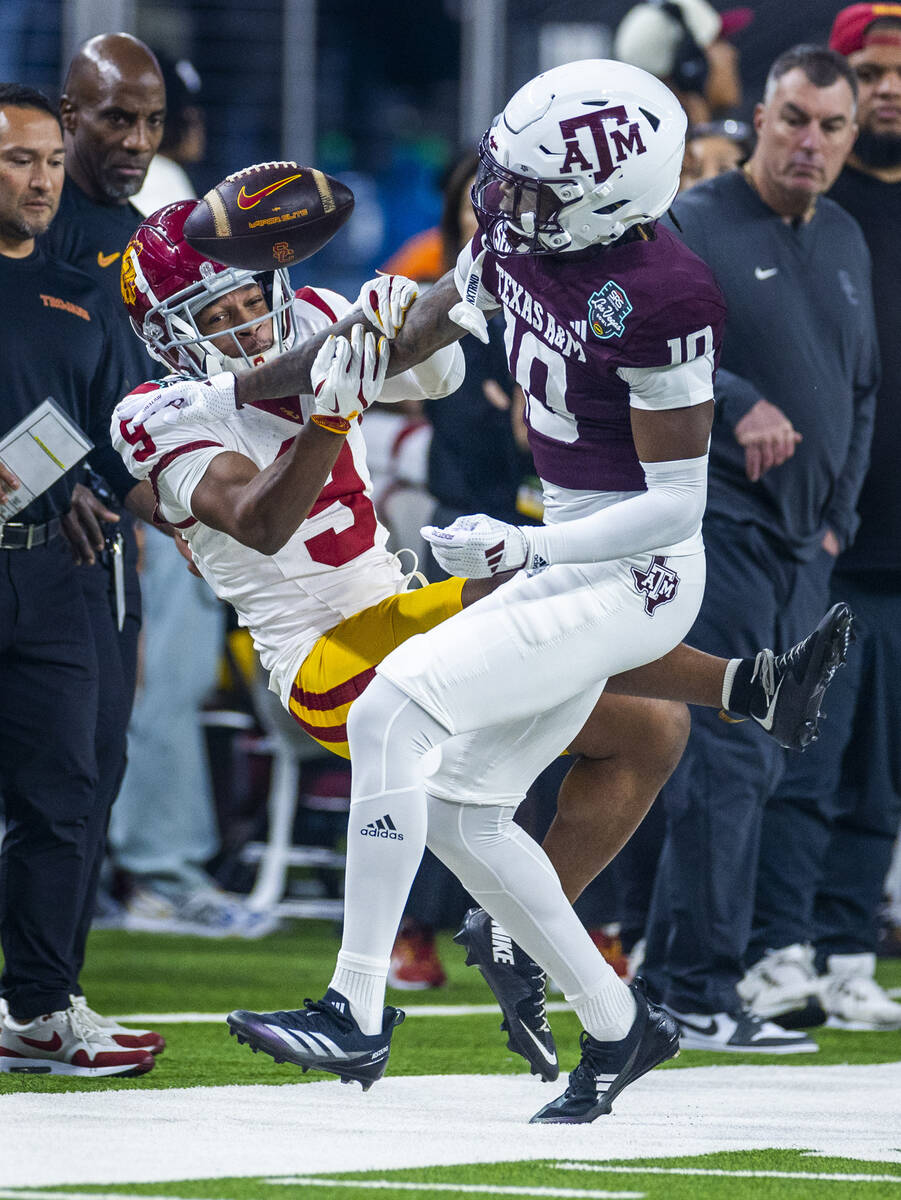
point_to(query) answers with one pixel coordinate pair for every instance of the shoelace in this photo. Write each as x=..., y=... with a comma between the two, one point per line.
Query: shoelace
x=83, y=1026
x=539, y=1000
x=862, y=987
x=80, y=1004
x=321, y=1008
x=585, y=1073
x=764, y=666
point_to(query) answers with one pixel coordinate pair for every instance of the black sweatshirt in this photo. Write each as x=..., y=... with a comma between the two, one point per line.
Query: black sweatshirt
x=800, y=332
x=877, y=206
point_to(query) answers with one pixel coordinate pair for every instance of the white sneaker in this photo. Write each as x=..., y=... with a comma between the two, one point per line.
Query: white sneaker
x=202, y=912
x=66, y=1043
x=739, y=1032
x=853, y=999
x=129, y=1039
x=784, y=983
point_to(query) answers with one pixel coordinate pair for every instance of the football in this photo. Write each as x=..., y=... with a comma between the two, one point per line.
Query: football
x=268, y=216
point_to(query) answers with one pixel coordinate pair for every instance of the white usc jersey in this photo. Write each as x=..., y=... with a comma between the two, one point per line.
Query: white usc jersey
x=334, y=565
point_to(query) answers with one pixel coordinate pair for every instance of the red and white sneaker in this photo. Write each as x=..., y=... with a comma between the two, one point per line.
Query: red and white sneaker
x=129, y=1039
x=415, y=964
x=66, y=1043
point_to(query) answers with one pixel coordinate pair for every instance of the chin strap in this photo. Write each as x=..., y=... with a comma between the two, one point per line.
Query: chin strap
x=467, y=313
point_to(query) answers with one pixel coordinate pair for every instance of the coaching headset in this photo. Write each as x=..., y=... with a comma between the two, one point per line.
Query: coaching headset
x=690, y=67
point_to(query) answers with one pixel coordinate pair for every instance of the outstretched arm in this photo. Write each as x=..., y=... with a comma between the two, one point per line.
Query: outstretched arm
x=426, y=329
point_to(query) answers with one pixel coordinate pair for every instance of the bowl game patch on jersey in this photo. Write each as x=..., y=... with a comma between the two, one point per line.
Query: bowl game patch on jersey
x=607, y=311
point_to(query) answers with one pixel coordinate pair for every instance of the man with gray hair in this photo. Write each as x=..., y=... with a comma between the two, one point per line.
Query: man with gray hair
x=795, y=399
x=828, y=832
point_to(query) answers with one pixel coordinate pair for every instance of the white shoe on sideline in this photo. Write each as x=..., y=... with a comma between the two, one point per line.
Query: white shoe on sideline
x=853, y=999
x=740, y=1033
x=784, y=983
x=66, y=1042
x=201, y=912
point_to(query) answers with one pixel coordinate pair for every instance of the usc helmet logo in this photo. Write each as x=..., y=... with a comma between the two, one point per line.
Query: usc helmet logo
x=128, y=277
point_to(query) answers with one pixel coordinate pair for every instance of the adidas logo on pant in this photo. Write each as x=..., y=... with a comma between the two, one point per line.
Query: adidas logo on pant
x=384, y=827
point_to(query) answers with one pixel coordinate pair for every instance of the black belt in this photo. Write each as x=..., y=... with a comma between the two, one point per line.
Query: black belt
x=15, y=536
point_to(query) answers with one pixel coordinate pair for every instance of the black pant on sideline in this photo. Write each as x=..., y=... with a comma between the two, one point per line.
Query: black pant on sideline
x=48, y=772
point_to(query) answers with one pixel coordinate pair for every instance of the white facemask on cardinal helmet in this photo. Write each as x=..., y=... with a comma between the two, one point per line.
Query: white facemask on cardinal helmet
x=579, y=155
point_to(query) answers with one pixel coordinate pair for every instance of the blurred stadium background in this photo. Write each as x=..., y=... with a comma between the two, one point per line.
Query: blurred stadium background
x=381, y=95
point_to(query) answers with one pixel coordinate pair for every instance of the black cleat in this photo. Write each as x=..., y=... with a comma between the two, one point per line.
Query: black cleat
x=788, y=689
x=322, y=1036
x=518, y=984
x=605, y=1068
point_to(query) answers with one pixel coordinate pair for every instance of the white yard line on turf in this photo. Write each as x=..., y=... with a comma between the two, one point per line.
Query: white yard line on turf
x=458, y=1189
x=415, y=1010
x=112, y=1138
x=838, y=1176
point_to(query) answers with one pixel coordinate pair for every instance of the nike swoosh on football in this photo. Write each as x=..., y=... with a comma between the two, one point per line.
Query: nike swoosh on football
x=767, y=719
x=765, y=272
x=550, y=1059
x=107, y=260
x=246, y=201
x=53, y=1044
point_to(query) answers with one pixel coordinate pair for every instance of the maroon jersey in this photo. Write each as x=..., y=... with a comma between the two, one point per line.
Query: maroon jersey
x=573, y=323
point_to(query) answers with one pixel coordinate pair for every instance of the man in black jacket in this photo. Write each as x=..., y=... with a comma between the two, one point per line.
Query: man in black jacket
x=828, y=832
x=58, y=334
x=795, y=395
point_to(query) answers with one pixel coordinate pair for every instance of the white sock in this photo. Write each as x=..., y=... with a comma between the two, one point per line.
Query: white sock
x=608, y=1015
x=364, y=991
x=731, y=667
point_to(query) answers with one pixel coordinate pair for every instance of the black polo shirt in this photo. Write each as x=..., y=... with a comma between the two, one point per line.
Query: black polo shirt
x=93, y=237
x=60, y=337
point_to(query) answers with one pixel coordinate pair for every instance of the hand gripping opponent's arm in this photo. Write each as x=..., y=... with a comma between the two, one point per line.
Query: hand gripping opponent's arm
x=426, y=329
x=346, y=376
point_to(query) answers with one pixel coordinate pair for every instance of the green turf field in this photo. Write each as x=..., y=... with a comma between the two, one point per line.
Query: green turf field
x=754, y=1175
x=201, y=979
x=147, y=973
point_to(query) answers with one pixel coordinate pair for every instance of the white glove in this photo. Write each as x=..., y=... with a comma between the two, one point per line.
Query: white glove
x=184, y=401
x=385, y=301
x=478, y=547
x=348, y=375
x=468, y=313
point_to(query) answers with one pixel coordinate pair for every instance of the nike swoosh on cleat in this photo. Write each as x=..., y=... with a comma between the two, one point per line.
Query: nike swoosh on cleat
x=550, y=1059
x=767, y=719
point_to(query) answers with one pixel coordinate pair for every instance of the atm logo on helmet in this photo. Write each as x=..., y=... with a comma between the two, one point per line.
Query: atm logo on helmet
x=612, y=143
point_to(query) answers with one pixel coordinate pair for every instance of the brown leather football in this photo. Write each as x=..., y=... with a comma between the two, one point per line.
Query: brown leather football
x=269, y=215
